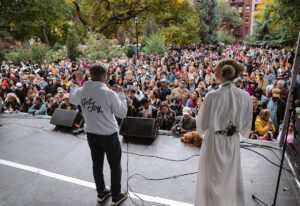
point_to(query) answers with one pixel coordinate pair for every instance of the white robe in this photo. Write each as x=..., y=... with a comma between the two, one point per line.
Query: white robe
x=220, y=181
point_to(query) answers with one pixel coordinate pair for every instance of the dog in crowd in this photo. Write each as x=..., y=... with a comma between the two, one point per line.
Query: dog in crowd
x=192, y=139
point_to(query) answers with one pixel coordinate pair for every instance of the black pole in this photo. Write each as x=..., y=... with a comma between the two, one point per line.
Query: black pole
x=290, y=110
x=137, y=38
x=282, y=159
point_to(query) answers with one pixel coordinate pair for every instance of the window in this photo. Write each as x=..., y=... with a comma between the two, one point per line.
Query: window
x=248, y=8
x=247, y=20
x=255, y=7
x=241, y=9
x=246, y=30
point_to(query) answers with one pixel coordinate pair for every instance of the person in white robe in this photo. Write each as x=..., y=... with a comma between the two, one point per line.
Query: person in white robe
x=220, y=181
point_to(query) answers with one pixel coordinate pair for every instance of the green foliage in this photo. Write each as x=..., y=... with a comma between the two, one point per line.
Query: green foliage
x=4, y=39
x=225, y=37
x=228, y=15
x=130, y=51
x=72, y=44
x=154, y=44
x=265, y=35
x=284, y=16
x=101, y=16
x=150, y=27
x=180, y=35
x=121, y=35
x=172, y=35
x=209, y=19
x=154, y=16
x=2, y=51
x=191, y=29
x=277, y=24
x=56, y=54
x=183, y=25
x=47, y=20
x=97, y=47
x=35, y=53
x=214, y=16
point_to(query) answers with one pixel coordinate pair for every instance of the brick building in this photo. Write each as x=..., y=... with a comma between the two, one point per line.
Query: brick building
x=245, y=9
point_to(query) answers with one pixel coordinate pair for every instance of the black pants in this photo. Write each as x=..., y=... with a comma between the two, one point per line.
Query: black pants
x=109, y=145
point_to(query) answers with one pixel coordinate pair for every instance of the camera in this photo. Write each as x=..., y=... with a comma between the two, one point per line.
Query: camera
x=231, y=130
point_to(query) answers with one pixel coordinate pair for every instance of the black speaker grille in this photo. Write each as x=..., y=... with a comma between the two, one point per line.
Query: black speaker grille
x=63, y=117
x=138, y=127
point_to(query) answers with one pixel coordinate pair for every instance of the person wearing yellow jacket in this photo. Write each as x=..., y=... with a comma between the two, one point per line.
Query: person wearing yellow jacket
x=264, y=126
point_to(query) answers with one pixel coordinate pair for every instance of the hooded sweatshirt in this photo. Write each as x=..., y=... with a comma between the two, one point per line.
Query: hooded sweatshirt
x=100, y=106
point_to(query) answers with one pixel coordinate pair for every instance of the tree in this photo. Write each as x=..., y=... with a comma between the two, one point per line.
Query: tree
x=72, y=44
x=99, y=15
x=277, y=22
x=228, y=15
x=121, y=35
x=180, y=23
x=225, y=37
x=98, y=47
x=35, y=52
x=43, y=19
x=150, y=27
x=284, y=18
x=154, y=44
x=106, y=16
x=209, y=21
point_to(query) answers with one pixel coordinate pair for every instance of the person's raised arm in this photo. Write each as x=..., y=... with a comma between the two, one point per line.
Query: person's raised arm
x=119, y=103
x=74, y=98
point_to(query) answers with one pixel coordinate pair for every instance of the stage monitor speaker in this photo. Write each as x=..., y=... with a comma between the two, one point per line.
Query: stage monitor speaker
x=67, y=118
x=135, y=127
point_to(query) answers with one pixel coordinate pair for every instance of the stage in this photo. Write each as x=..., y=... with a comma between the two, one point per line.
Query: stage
x=40, y=165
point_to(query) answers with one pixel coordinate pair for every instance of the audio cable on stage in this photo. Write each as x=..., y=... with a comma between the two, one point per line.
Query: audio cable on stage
x=128, y=178
x=163, y=158
x=243, y=144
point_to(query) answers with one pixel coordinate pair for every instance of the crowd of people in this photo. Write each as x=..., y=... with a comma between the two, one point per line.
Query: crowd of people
x=170, y=88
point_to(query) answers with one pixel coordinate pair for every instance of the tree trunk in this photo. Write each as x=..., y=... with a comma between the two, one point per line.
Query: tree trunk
x=45, y=36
